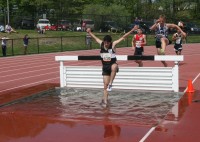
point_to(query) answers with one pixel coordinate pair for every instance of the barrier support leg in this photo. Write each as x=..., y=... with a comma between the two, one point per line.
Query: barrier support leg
x=62, y=78
x=175, y=77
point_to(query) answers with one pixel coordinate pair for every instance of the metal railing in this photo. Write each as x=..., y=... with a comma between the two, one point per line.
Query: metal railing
x=52, y=44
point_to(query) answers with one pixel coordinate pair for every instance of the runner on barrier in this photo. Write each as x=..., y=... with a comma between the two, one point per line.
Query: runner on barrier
x=138, y=41
x=108, y=58
x=162, y=40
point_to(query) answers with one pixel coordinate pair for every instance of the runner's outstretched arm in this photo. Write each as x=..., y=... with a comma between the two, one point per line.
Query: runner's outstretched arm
x=177, y=27
x=93, y=36
x=124, y=36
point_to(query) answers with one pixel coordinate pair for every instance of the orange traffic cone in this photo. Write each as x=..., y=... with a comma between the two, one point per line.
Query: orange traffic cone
x=190, y=88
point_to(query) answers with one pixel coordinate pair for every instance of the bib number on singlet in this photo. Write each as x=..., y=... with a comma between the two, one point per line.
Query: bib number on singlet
x=106, y=57
x=138, y=44
x=178, y=41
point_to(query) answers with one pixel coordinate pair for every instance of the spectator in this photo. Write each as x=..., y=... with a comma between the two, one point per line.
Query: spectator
x=137, y=21
x=140, y=19
x=9, y=29
x=83, y=26
x=25, y=40
x=41, y=30
x=88, y=41
x=4, y=45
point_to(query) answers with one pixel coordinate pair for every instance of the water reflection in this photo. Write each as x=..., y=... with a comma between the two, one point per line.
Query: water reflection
x=111, y=130
x=178, y=110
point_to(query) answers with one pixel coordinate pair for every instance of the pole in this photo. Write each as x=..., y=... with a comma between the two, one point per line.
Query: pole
x=8, y=16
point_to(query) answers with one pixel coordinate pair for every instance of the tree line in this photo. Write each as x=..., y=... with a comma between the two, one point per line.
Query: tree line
x=147, y=9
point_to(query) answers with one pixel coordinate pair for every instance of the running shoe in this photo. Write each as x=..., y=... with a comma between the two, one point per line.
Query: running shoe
x=103, y=104
x=109, y=88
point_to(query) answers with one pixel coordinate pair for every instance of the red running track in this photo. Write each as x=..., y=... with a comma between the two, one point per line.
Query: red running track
x=22, y=72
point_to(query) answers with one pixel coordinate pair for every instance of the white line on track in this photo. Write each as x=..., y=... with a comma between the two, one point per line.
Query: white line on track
x=27, y=77
x=27, y=72
x=34, y=83
x=147, y=134
x=26, y=62
x=30, y=67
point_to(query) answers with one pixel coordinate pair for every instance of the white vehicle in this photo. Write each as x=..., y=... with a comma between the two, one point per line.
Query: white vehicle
x=42, y=23
x=2, y=29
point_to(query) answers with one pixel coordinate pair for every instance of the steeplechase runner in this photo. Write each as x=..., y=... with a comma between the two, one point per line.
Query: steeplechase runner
x=109, y=61
x=161, y=28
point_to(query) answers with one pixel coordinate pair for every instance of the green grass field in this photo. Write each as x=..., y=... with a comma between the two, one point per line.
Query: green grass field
x=56, y=41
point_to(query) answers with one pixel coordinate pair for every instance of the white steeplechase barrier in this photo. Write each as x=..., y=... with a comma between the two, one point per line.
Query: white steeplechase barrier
x=140, y=78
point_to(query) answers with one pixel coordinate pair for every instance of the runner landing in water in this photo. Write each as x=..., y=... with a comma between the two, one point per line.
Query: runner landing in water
x=108, y=59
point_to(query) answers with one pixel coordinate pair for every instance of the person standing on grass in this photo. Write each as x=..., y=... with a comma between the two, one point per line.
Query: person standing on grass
x=88, y=41
x=138, y=41
x=83, y=26
x=161, y=28
x=109, y=61
x=4, y=45
x=25, y=40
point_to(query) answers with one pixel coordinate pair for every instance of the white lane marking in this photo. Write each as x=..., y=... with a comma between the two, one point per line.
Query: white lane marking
x=17, y=64
x=25, y=60
x=30, y=66
x=27, y=77
x=6, y=71
x=147, y=134
x=27, y=72
x=29, y=84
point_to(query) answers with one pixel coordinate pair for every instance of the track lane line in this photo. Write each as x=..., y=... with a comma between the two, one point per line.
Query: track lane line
x=26, y=68
x=28, y=77
x=27, y=72
x=30, y=84
x=147, y=134
x=46, y=64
